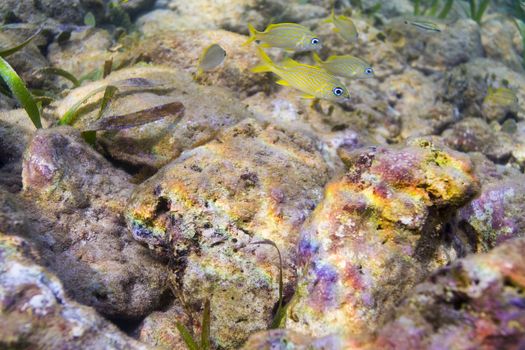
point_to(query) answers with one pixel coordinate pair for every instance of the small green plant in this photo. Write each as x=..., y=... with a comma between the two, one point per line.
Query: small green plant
x=432, y=9
x=204, y=343
x=60, y=72
x=19, y=90
x=521, y=28
x=281, y=310
x=477, y=9
x=12, y=85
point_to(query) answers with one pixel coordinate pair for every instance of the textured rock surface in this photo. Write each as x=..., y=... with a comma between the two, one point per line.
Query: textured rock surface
x=475, y=135
x=36, y=314
x=228, y=14
x=206, y=208
x=160, y=328
x=27, y=60
x=428, y=51
x=77, y=199
x=207, y=110
x=476, y=303
x=182, y=50
x=15, y=132
x=66, y=11
x=467, y=84
x=84, y=52
x=375, y=235
x=501, y=41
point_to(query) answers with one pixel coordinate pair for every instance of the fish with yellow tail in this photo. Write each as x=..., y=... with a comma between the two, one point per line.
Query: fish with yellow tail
x=288, y=36
x=313, y=81
x=344, y=26
x=211, y=58
x=346, y=66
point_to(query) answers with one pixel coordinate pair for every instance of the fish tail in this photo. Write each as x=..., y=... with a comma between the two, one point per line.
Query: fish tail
x=316, y=57
x=266, y=66
x=253, y=34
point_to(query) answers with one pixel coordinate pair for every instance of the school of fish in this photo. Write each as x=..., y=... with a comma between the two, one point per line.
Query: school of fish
x=320, y=81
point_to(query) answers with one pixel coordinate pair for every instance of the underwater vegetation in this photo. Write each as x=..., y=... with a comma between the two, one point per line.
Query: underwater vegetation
x=262, y=174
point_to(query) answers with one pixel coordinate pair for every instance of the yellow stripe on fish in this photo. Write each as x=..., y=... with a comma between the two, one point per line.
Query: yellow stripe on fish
x=502, y=96
x=346, y=66
x=312, y=80
x=344, y=26
x=288, y=36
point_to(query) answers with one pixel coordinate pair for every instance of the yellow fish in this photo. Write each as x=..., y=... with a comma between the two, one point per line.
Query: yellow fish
x=344, y=26
x=346, y=66
x=312, y=80
x=502, y=96
x=211, y=57
x=288, y=36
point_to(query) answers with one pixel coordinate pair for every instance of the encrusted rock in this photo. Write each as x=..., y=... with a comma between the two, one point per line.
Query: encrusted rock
x=35, y=312
x=206, y=209
x=475, y=135
x=416, y=98
x=160, y=328
x=75, y=202
x=501, y=40
x=476, y=303
x=494, y=216
x=377, y=233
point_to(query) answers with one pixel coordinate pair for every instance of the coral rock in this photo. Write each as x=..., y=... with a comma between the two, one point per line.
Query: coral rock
x=476, y=303
x=89, y=245
x=205, y=209
x=35, y=312
x=375, y=235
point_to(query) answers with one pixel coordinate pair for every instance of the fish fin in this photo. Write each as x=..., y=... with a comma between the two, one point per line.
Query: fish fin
x=282, y=82
x=267, y=64
x=253, y=33
x=330, y=19
x=198, y=73
x=316, y=57
x=308, y=96
x=288, y=63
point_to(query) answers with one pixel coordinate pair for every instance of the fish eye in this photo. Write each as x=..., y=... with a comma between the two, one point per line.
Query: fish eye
x=338, y=91
x=369, y=71
x=315, y=41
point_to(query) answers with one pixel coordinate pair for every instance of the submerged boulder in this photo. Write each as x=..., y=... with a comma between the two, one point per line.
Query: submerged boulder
x=206, y=111
x=376, y=234
x=476, y=303
x=35, y=312
x=74, y=199
x=206, y=210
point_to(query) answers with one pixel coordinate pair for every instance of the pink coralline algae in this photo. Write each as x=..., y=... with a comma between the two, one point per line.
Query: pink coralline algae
x=496, y=215
x=476, y=303
x=375, y=235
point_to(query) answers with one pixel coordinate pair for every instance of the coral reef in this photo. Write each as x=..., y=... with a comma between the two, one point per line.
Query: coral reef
x=151, y=198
